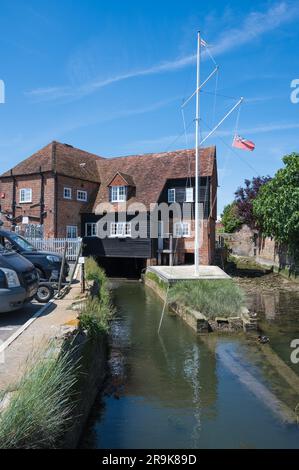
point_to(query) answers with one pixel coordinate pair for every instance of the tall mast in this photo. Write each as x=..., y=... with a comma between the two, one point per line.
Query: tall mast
x=197, y=152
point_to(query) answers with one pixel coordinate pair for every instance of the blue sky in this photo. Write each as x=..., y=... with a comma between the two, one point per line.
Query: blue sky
x=110, y=76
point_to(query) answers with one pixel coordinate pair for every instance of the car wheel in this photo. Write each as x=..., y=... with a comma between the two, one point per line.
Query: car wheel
x=40, y=274
x=45, y=292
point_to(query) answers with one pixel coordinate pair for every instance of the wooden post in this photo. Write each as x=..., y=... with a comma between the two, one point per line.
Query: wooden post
x=62, y=268
x=170, y=250
x=82, y=278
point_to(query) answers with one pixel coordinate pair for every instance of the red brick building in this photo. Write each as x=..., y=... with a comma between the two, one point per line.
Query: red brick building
x=50, y=188
x=59, y=188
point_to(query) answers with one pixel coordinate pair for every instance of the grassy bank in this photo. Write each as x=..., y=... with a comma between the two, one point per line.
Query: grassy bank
x=153, y=277
x=212, y=298
x=39, y=411
x=98, y=310
x=56, y=391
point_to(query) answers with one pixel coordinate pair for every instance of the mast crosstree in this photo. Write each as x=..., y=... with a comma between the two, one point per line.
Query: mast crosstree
x=201, y=43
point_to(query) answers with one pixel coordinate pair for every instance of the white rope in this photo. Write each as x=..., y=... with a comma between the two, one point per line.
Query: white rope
x=237, y=121
x=210, y=54
x=215, y=97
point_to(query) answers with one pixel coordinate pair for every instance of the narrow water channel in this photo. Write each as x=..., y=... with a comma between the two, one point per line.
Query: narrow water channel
x=177, y=390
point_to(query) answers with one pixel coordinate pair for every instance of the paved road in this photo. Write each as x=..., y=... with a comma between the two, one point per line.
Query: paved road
x=10, y=322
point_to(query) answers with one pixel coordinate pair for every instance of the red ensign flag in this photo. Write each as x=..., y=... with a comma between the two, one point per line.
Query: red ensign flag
x=243, y=144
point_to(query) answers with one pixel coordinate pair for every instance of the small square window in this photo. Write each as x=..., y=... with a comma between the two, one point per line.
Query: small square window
x=171, y=195
x=81, y=195
x=67, y=193
x=25, y=195
x=72, y=231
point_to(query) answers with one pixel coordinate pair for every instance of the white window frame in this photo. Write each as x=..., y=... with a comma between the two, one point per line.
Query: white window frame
x=189, y=195
x=93, y=229
x=171, y=191
x=117, y=195
x=65, y=190
x=120, y=229
x=82, y=192
x=179, y=230
x=71, y=227
x=27, y=192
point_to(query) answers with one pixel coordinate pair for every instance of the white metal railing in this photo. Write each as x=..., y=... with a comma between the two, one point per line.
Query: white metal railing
x=57, y=245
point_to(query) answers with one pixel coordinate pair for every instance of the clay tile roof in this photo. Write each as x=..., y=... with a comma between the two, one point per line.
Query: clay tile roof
x=62, y=158
x=127, y=178
x=151, y=171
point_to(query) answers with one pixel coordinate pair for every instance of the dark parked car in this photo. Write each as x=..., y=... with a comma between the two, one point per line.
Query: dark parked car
x=47, y=264
x=18, y=280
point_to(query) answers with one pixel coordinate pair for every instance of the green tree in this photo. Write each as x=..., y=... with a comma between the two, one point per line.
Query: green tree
x=277, y=204
x=230, y=218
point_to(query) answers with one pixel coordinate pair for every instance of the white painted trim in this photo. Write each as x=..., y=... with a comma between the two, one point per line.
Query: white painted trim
x=83, y=192
x=71, y=193
x=27, y=201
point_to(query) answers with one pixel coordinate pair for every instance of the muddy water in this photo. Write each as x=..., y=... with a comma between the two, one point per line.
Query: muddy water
x=177, y=390
x=276, y=301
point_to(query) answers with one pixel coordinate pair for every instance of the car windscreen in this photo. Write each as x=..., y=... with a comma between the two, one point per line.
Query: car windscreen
x=21, y=242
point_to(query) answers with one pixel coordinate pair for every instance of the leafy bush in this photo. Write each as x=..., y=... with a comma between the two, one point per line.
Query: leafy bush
x=40, y=410
x=230, y=218
x=210, y=297
x=277, y=205
x=98, y=310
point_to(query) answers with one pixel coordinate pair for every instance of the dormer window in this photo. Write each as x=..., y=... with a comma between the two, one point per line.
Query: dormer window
x=118, y=193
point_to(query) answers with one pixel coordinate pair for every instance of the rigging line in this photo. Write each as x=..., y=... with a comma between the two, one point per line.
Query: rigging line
x=233, y=151
x=221, y=95
x=210, y=54
x=215, y=97
x=189, y=156
x=237, y=120
x=200, y=87
x=163, y=311
x=168, y=287
x=178, y=136
x=184, y=124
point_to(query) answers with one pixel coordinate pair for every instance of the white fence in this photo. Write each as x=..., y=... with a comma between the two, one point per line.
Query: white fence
x=57, y=245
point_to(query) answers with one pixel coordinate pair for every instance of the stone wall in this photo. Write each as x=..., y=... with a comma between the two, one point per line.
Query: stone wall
x=264, y=250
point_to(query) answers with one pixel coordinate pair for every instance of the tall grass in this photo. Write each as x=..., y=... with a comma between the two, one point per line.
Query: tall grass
x=97, y=311
x=39, y=411
x=211, y=297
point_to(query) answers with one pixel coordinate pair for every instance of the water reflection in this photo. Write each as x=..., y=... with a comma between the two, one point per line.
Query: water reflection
x=174, y=390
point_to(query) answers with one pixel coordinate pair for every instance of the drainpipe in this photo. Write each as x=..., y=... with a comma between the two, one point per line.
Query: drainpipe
x=54, y=170
x=14, y=202
x=42, y=196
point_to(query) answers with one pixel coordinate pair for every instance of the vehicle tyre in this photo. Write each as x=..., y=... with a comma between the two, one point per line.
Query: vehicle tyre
x=44, y=293
x=40, y=274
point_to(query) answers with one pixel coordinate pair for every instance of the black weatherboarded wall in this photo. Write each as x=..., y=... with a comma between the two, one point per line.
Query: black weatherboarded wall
x=115, y=247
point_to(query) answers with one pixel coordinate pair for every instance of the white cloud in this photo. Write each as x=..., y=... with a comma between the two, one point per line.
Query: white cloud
x=167, y=141
x=254, y=26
